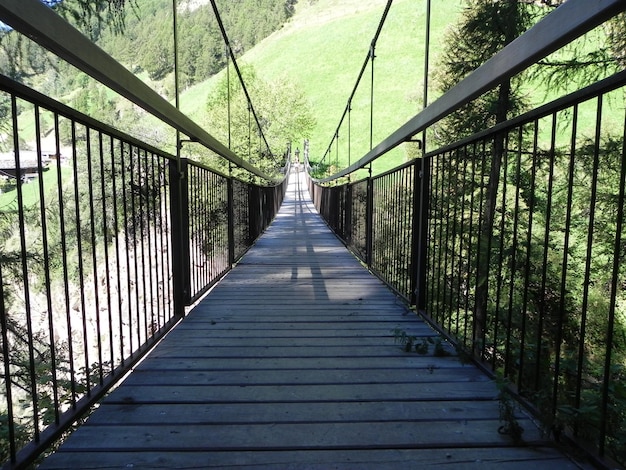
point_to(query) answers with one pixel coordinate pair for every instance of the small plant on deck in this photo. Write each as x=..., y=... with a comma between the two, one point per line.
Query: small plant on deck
x=411, y=343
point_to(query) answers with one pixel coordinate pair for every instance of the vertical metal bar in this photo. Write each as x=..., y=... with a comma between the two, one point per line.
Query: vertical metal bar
x=199, y=266
x=615, y=285
x=192, y=208
x=228, y=53
x=349, y=213
x=447, y=196
x=440, y=241
x=116, y=237
x=150, y=211
x=105, y=243
x=420, y=222
x=426, y=66
x=166, y=217
x=369, y=221
x=454, y=198
x=500, y=279
x=208, y=201
x=438, y=262
x=127, y=241
x=461, y=278
x=8, y=377
x=133, y=172
x=513, y=264
x=158, y=239
x=546, y=243
x=406, y=214
x=480, y=242
x=141, y=182
x=372, y=57
x=472, y=241
x=64, y=248
x=81, y=267
x=175, y=38
x=349, y=136
x=589, y=255
x=211, y=229
x=94, y=257
x=200, y=232
x=179, y=210
x=27, y=299
x=527, y=273
x=46, y=262
x=564, y=268
x=5, y=340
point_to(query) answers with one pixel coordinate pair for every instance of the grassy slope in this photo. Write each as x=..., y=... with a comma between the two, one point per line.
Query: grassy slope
x=322, y=50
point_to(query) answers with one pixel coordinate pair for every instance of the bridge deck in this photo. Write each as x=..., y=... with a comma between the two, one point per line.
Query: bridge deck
x=290, y=362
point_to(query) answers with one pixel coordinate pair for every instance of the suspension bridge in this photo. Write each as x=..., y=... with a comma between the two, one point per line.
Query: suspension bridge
x=175, y=316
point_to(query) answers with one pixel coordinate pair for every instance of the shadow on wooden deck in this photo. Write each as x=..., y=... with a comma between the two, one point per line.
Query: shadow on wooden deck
x=290, y=363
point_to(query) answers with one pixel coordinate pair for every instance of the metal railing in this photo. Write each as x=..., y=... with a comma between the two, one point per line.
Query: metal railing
x=104, y=243
x=528, y=278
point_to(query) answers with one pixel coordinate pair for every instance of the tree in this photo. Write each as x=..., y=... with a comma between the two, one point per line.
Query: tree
x=91, y=16
x=157, y=55
x=549, y=295
x=492, y=25
x=282, y=108
x=596, y=55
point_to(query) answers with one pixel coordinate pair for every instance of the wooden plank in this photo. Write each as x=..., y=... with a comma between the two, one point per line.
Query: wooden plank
x=304, y=436
x=166, y=414
x=243, y=349
x=198, y=337
x=148, y=376
x=293, y=393
x=503, y=458
x=364, y=363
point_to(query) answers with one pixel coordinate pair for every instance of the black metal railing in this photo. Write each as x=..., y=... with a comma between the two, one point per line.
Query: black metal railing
x=104, y=242
x=524, y=270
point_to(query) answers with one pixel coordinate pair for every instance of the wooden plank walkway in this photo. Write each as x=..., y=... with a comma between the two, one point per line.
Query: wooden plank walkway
x=290, y=363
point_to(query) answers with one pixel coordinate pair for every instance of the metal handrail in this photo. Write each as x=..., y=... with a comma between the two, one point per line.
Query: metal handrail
x=569, y=21
x=44, y=26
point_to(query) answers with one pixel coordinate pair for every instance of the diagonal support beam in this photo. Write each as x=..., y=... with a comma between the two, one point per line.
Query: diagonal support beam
x=44, y=26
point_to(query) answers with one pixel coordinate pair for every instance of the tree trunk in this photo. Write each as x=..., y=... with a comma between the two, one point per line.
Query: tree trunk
x=486, y=228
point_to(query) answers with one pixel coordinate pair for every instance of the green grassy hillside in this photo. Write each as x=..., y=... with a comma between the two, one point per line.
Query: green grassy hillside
x=322, y=50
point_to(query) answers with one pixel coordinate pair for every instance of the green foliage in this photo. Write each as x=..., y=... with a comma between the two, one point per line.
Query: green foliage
x=282, y=109
x=410, y=343
x=92, y=16
x=596, y=55
x=492, y=25
x=508, y=411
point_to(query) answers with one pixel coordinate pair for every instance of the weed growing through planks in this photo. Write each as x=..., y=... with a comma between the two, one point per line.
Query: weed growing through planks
x=411, y=343
x=508, y=407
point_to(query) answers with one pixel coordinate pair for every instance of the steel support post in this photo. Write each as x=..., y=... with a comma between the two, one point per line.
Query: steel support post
x=179, y=210
x=419, y=232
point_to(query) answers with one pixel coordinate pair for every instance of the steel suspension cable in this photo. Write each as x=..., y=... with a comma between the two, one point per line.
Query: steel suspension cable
x=236, y=67
x=370, y=56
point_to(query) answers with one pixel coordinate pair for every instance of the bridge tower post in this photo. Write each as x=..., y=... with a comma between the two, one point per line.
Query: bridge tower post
x=179, y=213
x=419, y=242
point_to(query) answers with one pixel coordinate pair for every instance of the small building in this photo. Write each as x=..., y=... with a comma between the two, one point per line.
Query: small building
x=28, y=164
